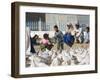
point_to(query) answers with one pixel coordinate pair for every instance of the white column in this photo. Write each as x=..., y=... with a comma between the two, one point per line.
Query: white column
x=39, y=23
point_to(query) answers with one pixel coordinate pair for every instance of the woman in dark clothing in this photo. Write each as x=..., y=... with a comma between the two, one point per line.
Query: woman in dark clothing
x=33, y=42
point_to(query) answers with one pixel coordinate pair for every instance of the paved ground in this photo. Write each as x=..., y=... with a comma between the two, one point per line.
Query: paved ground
x=76, y=45
x=82, y=59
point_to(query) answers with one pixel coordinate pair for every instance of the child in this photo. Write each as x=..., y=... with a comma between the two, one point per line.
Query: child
x=79, y=34
x=86, y=35
x=45, y=42
x=59, y=38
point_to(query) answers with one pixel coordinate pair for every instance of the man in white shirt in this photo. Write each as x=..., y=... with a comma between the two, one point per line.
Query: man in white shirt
x=79, y=33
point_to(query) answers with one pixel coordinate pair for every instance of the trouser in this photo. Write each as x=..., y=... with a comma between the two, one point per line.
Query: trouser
x=60, y=46
x=79, y=39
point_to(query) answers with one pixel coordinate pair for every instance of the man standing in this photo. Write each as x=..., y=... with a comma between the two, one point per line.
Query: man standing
x=79, y=34
x=58, y=36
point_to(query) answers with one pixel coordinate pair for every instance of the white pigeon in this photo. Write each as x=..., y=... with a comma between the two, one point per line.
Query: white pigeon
x=55, y=62
x=37, y=62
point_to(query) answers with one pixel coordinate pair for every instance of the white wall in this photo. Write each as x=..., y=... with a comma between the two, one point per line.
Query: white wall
x=5, y=40
x=40, y=33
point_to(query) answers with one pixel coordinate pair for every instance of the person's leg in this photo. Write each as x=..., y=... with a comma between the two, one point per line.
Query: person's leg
x=33, y=50
x=81, y=39
x=42, y=47
x=77, y=40
x=62, y=46
x=58, y=46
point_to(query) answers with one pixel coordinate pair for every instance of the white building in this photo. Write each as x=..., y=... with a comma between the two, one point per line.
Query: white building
x=41, y=23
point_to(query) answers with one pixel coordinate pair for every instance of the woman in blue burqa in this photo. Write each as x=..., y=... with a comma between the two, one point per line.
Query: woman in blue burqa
x=69, y=35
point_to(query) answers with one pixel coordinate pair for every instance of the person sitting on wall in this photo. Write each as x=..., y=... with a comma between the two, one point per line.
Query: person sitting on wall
x=45, y=42
x=33, y=41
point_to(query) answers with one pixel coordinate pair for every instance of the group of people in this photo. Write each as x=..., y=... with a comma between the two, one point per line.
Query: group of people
x=72, y=35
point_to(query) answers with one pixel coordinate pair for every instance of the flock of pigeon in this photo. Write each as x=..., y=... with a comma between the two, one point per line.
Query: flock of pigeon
x=74, y=56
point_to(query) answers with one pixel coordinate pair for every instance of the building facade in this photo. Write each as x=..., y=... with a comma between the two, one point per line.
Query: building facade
x=44, y=22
